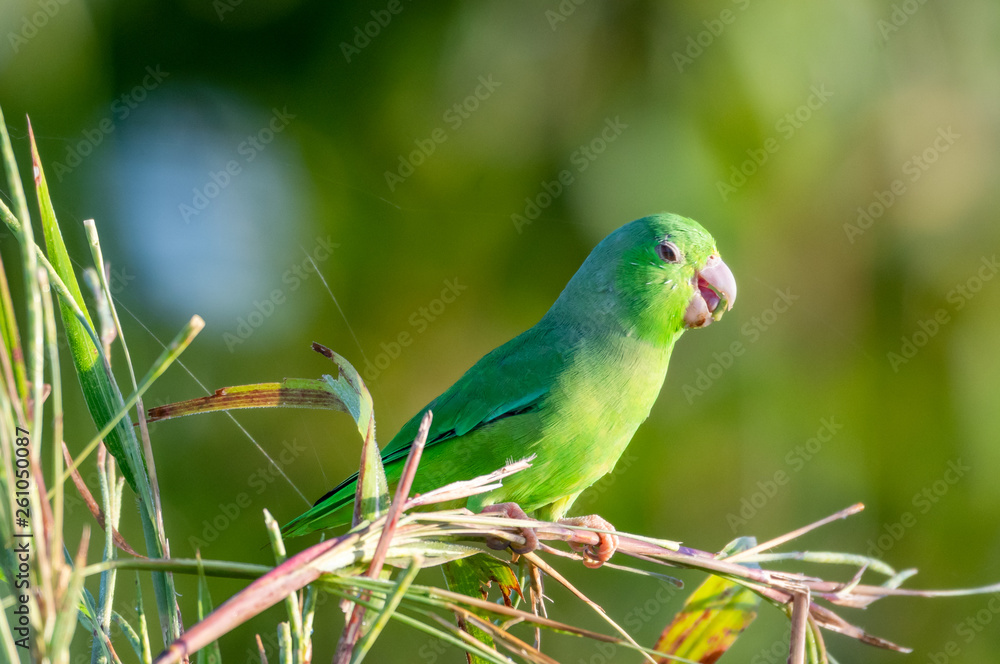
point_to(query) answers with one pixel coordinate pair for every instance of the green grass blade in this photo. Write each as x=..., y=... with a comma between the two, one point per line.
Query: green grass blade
x=147, y=653
x=89, y=617
x=292, y=601
x=213, y=568
x=210, y=654
x=56, y=404
x=13, y=178
x=391, y=604
x=33, y=257
x=166, y=358
x=111, y=494
x=7, y=637
x=11, y=337
x=98, y=256
x=35, y=329
x=14, y=356
x=351, y=390
x=99, y=389
x=116, y=330
x=372, y=494
x=286, y=651
x=107, y=329
x=830, y=558
x=163, y=583
x=308, y=617
x=290, y=393
x=128, y=632
x=450, y=634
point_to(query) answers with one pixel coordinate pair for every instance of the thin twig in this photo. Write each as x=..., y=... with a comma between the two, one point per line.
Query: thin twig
x=402, y=491
x=467, y=488
x=798, y=532
x=800, y=623
x=537, y=593
x=260, y=650
x=548, y=569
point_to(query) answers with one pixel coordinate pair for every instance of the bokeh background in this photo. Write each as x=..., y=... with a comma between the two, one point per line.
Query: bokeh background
x=843, y=153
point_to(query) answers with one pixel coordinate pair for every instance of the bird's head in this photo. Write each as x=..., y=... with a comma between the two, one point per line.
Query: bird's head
x=660, y=274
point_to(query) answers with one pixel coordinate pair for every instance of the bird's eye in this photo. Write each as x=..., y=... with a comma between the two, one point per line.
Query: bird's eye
x=668, y=252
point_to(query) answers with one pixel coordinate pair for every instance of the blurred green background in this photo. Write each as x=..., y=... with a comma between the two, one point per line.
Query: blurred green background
x=844, y=154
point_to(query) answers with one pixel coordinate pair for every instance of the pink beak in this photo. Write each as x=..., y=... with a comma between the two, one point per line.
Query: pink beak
x=715, y=293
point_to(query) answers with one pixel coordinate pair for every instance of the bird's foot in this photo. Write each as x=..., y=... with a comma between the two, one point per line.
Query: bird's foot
x=511, y=511
x=594, y=555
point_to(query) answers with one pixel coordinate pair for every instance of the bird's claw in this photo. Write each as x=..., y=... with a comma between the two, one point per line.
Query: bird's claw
x=594, y=555
x=511, y=511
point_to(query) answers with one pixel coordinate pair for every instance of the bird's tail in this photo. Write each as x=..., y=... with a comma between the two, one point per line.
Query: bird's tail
x=330, y=511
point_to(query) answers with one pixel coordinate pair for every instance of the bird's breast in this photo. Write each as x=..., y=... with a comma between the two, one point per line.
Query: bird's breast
x=602, y=396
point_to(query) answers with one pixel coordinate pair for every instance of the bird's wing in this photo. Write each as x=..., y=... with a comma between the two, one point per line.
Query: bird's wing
x=510, y=380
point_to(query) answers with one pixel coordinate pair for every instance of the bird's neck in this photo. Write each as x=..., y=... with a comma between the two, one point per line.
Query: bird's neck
x=605, y=316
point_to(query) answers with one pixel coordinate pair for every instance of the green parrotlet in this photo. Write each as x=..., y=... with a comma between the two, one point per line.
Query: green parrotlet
x=572, y=390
